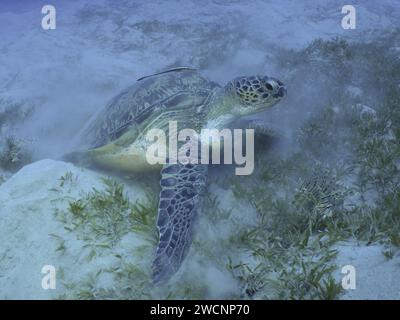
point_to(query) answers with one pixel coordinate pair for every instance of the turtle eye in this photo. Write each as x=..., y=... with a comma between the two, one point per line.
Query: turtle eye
x=269, y=86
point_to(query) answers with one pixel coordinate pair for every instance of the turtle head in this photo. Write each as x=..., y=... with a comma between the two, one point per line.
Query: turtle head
x=254, y=94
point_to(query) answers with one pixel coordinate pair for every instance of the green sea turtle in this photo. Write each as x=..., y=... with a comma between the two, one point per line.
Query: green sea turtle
x=116, y=138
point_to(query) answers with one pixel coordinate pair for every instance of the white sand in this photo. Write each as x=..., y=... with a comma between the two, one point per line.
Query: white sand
x=27, y=207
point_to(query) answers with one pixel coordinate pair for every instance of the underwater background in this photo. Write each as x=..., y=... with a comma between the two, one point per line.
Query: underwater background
x=324, y=193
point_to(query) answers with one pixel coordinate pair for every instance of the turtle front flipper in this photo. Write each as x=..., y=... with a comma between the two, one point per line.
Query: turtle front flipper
x=182, y=186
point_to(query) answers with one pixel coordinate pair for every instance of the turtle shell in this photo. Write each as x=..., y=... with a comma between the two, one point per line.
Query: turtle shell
x=144, y=103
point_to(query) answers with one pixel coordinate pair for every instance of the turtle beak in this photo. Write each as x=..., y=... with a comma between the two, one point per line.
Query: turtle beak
x=282, y=91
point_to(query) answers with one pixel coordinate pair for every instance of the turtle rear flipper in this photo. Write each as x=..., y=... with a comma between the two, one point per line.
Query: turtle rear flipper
x=79, y=157
x=181, y=189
